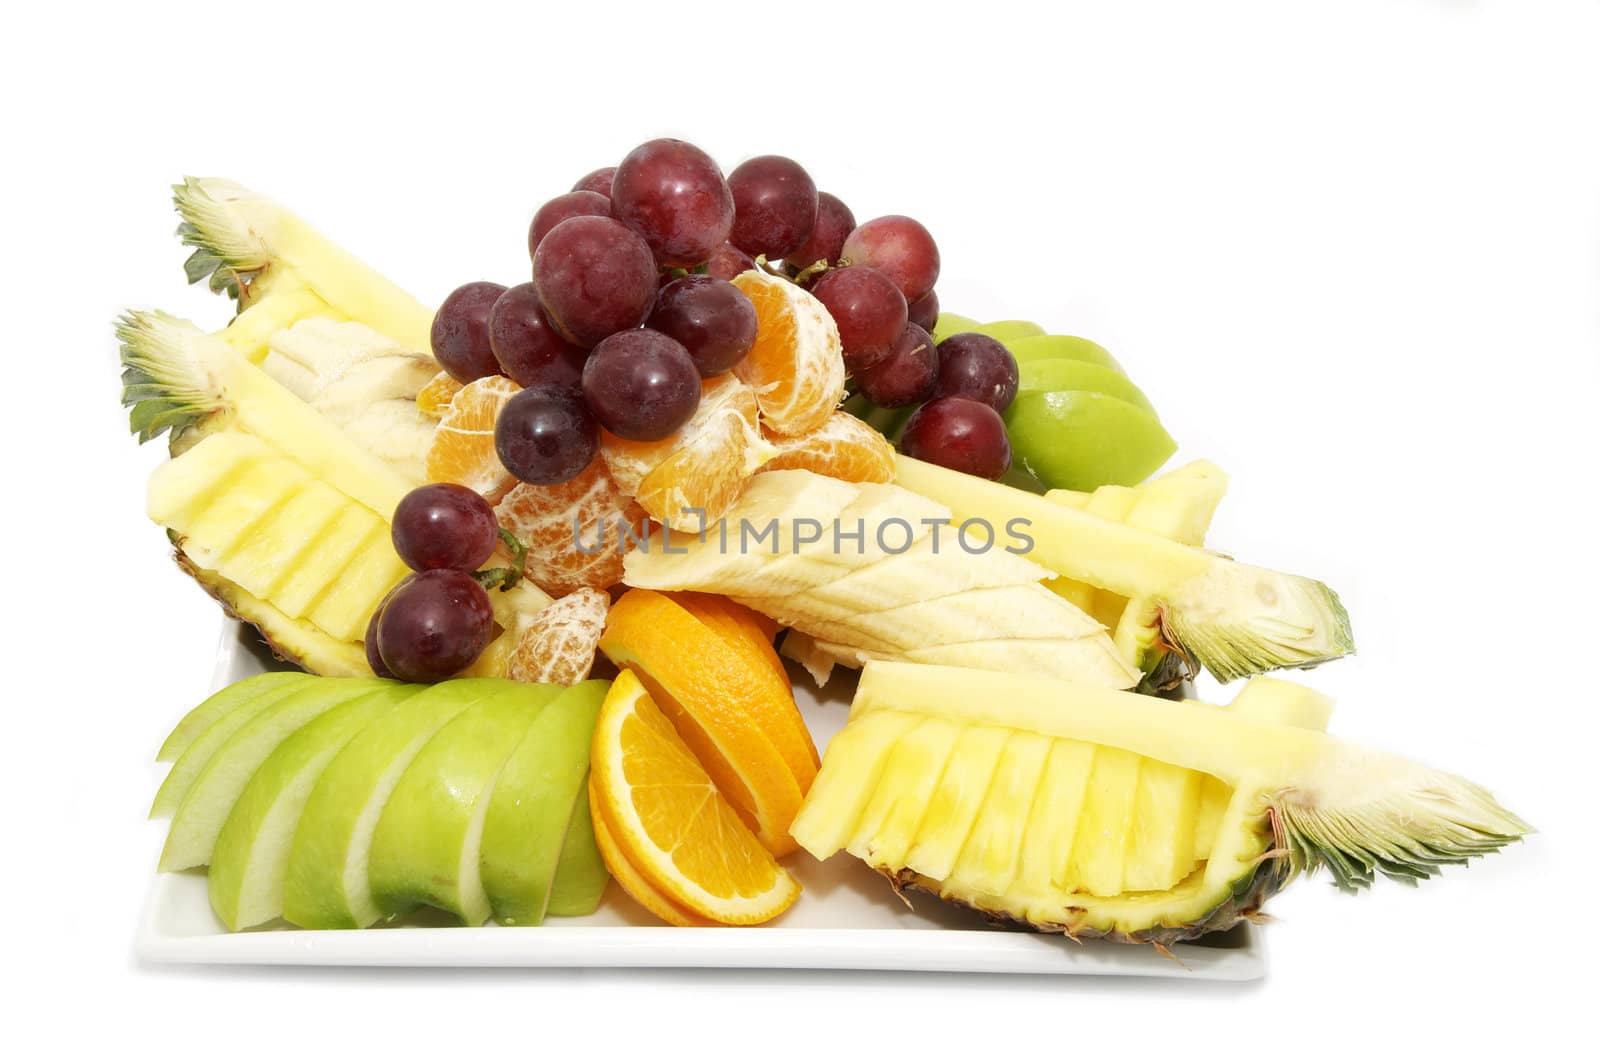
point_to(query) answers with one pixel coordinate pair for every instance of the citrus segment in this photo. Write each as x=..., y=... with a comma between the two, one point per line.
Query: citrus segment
x=797, y=364
x=434, y=398
x=559, y=643
x=730, y=708
x=574, y=530
x=669, y=822
x=845, y=447
x=462, y=450
x=628, y=877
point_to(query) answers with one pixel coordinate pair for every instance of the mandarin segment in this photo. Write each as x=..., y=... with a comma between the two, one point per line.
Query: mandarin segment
x=434, y=397
x=574, y=531
x=797, y=364
x=559, y=643
x=462, y=450
x=845, y=447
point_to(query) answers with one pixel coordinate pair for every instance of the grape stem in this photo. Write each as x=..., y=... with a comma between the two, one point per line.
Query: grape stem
x=816, y=269
x=506, y=576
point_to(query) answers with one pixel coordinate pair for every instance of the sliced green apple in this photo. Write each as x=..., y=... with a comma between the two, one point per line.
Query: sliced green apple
x=224, y=702
x=327, y=885
x=1081, y=440
x=1065, y=374
x=950, y=324
x=1007, y=331
x=533, y=841
x=251, y=857
x=205, y=807
x=1074, y=347
x=202, y=746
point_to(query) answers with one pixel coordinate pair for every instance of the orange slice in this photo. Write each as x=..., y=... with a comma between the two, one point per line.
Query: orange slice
x=629, y=878
x=845, y=447
x=434, y=398
x=797, y=363
x=726, y=701
x=573, y=530
x=559, y=643
x=701, y=467
x=668, y=823
x=462, y=450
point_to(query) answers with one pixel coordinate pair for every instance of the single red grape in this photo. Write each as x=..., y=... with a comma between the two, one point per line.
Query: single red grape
x=976, y=366
x=594, y=276
x=715, y=322
x=727, y=262
x=924, y=311
x=960, y=434
x=597, y=181
x=444, y=525
x=901, y=248
x=546, y=435
x=904, y=376
x=374, y=658
x=460, y=334
x=774, y=204
x=435, y=624
x=672, y=194
x=826, y=239
x=528, y=348
x=867, y=307
x=641, y=385
x=564, y=206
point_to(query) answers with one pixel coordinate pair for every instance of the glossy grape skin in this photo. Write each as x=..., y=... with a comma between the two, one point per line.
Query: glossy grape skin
x=642, y=385
x=924, y=311
x=976, y=366
x=960, y=434
x=673, y=195
x=546, y=435
x=444, y=525
x=435, y=624
x=374, y=658
x=528, y=348
x=598, y=181
x=460, y=333
x=594, y=276
x=714, y=321
x=774, y=205
x=825, y=242
x=901, y=248
x=567, y=205
x=868, y=309
x=905, y=376
x=727, y=262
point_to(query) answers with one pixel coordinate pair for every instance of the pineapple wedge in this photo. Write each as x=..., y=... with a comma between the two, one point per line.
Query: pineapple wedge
x=861, y=599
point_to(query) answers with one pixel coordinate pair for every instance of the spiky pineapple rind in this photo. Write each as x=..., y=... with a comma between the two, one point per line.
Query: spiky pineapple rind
x=164, y=387
x=1254, y=620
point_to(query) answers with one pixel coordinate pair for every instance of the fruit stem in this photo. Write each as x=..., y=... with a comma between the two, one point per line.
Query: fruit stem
x=505, y=576
x=820, y=266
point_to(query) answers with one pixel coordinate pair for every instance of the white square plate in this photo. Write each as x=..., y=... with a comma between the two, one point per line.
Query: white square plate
x=846, y=918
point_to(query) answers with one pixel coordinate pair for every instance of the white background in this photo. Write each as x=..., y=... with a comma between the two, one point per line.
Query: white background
x=1349, y=247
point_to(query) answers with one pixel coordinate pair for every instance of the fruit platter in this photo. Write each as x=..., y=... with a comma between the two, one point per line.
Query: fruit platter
x=714, y=596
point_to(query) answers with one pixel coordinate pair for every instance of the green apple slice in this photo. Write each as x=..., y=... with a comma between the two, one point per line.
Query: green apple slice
x=204, y=743
x=532, y=821
x=950, y=324
x=199, y=818
x=1080, y=440
x=225, y=701
x=1074, y=347
x=251, y=857
x=581, y=875
x=1066, y=374
x=427, y=847
x=1007, y=331
x=327, y=886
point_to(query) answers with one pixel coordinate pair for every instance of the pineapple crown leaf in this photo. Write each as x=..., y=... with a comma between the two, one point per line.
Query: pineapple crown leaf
x=227, y=251
x=1407, y=831
x=164, y=385
x=1240, y=621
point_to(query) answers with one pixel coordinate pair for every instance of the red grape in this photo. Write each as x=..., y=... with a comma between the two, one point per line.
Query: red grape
x=826, y=240
x=975, y=366
x=435, y=624
x=546, y=435
x=672, y=194
x=904, y=376
x=900, y=247
x=867, y=307
x=374, y=658
x=559, y=209
x=960, y=434
x=444, y=525
x=528, y=348
x=924, y=311
x=460, y=334
x=774, y=203
x=727, y=262
x=594, y=277
x=641, y=385
x=715, y=322
x=597, y=181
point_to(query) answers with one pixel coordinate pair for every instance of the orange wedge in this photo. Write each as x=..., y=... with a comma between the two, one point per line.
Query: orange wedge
x=727, y=701
x=797, y=363
x=559, y=643
x=633, y=883
x=462, y=450
x=573, y=530
x=434, y=398
x=669, y=824
x=845, y=447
